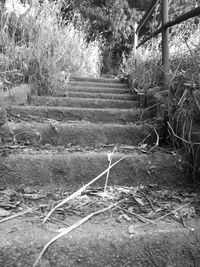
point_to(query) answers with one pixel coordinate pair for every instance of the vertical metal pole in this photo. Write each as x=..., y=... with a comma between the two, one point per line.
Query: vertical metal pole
x=165, y=44
x=135, y=44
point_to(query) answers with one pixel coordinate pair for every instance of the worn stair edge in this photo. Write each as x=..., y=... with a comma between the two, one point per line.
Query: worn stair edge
x=96, y=80
x=83, y=134
x=98, y=84
x=102, y=90
x=92, y=245
x=82, y=102
x=130, y=97
x=48, y=167
x=78, y=114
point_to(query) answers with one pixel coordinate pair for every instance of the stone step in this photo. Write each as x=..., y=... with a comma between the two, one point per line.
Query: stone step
x=98, y=84
x=82, y=102
x=97, y=244
x=95, y=80
x=64, y=114
x=95, y=90
x=65, y=134
x=129, y=97
x=72, y=167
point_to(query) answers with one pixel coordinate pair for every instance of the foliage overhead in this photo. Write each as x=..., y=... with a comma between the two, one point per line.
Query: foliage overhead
x=112, y=19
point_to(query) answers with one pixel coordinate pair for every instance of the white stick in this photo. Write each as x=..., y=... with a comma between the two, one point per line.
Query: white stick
x=69, y=229
x=110, y=157
x=77, y=193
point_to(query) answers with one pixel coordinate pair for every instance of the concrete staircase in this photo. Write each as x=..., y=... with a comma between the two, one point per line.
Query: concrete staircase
x=62, y=143
x=87, y=128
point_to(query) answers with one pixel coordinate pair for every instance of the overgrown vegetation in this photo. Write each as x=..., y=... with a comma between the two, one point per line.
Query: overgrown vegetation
x=113, y=20
x=183, y=103
x=37, y=47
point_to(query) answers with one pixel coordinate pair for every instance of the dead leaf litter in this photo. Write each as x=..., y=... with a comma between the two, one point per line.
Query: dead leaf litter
x=144, y=204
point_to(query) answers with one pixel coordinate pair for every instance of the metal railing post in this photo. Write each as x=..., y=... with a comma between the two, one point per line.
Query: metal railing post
x=165, y=44
x=135, y=43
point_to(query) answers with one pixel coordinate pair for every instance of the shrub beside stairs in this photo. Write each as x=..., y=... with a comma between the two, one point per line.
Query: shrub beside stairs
x=62, y=142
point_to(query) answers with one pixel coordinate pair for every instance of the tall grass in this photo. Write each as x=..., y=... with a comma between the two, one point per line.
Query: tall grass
x=39, y=48
x=184, y=57
x=147, y=73
x=183, y=106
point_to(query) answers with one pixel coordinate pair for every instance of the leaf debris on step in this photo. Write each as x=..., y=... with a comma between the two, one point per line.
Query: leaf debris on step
x=141, y=203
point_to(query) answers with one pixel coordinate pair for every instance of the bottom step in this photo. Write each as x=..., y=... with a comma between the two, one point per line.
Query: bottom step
x=99, y=245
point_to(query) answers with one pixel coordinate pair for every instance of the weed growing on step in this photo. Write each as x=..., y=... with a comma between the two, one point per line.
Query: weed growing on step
x=37, y=47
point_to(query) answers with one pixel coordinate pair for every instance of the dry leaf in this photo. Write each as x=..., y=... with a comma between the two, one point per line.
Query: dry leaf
x=4, y=213
x=164, y=192
x=55, y=127
x=143, y=146
x=33, y=196
x=139, y=201
x=131, y=209
x=131, y=230
x=109, y=156
x=126, y=217
x=119, y=219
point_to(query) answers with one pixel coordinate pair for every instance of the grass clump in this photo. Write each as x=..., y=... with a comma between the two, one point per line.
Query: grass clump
x=38, y=47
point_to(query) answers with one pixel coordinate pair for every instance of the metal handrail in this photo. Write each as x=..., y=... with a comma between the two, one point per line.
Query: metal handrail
x=190, y=14
x=147, y=15
x=164, y=29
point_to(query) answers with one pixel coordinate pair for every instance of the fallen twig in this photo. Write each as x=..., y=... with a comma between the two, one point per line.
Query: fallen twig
x=69, y=229
x=145, y=139
x=17, y=215
x=7, y=205
x=157, y=141
x=149, y=200
x=162, y=217
x=28, y=210
x=139, y=217
x=173, y=211
x=78, y=192
x=110, y=157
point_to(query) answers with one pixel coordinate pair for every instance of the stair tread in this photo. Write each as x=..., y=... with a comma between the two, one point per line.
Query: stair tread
x=79, y=98
x=124, y=96
x=24, y=107
x=98, y=84
x=101, y=80
x=132, y=151
x=98, y=90
x=112, y=240
x=82, y=102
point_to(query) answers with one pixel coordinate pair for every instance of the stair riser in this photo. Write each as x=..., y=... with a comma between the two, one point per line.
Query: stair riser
x=82, y=103
x=76, y=169
x=95, y=80
x=74, y=134
x=98, y=90
x=104, y=85
x=77, y=114
x=103, y=96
